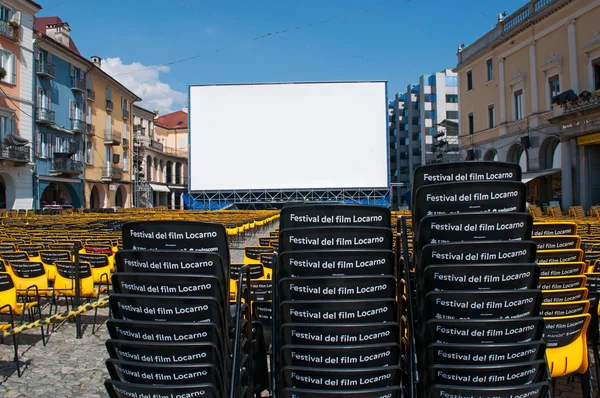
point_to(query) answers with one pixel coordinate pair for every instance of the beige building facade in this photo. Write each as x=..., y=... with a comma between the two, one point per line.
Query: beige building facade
x=109, y=142
x=508, y=80
x=161, y=147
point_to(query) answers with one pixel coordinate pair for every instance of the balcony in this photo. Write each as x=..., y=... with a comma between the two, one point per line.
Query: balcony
x=66, y=166
x=111, y=173
x=78, y=84
x=9, y=31
x=125, y=143
x=78, y=126
x=45, y=116
x=91, y=95
x=45, y=70
x=14, y=153
x=125, y=114
x=90, y=129
x=111, y=137
x=182, y=153
x=156, y=145
x=580, y=115
x=109, y=105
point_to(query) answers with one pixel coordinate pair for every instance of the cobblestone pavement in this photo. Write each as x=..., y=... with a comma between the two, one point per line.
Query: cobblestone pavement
x=67, y=367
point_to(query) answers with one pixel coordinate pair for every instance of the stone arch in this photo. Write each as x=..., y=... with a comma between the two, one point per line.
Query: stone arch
x=97, y=196
x=517, y=154
x=148, y=168
x=491, y=155
x=7, y=191
x=550, y=154
x=169, y=175
x=120, y=197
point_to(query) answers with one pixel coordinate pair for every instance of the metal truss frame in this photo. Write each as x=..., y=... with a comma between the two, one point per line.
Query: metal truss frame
x=265, y=198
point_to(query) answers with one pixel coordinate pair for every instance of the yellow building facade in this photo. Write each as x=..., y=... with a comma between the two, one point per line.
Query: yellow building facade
x=108, y=151
x=508, y=81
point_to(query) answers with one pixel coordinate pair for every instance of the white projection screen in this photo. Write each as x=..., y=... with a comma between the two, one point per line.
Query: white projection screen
x=288, y=136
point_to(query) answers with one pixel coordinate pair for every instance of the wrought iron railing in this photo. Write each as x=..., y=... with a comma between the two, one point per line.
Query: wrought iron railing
x=112, y=172
x=7, y=30
x=78, y=126
x=15, y=153
x=44, y=115
x=91, y=94
x=583, y=103
x=65, y=165
x=112, y=136
x=45, y=69
x=78, y=84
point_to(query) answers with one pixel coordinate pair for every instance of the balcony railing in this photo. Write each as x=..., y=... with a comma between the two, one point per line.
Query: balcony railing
x=78, y=126
x=582, y=104
x=67, y=166
x=518, y=126
x=7, y=30
x=91, y=95
x=109, y=105
x=43, y=115
x=176, y=151
x=138, y=128
x=90, y=129
x=45, y=70
x=78, y=84
x=125, y=114
x=112, y=137
x=14, y=153
x=156, y=145
x=532, y=11
x=112, y=173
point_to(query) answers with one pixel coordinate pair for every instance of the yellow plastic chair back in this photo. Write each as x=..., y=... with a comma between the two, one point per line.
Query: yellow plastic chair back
x=566, y=344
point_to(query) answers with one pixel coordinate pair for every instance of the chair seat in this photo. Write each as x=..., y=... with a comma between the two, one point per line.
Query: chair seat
x=18, y=310
x=5, y=327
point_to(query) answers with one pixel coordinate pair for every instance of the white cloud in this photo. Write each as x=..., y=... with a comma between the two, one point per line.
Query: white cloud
x=146, y=84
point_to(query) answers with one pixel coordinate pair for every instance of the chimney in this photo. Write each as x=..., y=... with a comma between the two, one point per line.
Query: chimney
x=97, y=61
x=61, y=32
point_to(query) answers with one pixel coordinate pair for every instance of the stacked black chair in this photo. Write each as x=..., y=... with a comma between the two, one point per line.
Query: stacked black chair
x=173, y=330
x=471, y=319
x=335, y=313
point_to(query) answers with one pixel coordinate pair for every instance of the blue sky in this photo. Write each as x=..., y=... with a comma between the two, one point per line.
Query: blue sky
x=397, y=41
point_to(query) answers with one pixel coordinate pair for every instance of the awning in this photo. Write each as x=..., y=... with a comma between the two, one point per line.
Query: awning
x=526, y=177
x=159, y=188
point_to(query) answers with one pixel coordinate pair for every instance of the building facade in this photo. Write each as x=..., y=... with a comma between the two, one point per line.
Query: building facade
x=165, y=161
x=109, y=145
x=59, y=116
x=16, y=103
x=143, y=146
x=509, y=80
x=419, y=128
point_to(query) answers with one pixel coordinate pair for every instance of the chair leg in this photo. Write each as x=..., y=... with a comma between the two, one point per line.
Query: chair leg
x=586, y=384
x=553, y=387
x=42, y=327
x=596, y=349
x=16, y=348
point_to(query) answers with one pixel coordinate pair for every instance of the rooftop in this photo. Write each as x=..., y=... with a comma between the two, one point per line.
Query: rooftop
x=509, y=26
x=173, y=120
x=41, y=25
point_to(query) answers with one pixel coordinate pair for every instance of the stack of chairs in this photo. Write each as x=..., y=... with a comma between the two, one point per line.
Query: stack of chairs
x=335, y=313
x=174, y=331
x=471, y=319
x=570, y=301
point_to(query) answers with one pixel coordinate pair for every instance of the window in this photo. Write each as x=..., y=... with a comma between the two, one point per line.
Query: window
x=469, y=80
x=43, y=98
x=125, y=160
x=5, y=13
x=9, y=62
x=108, y=125
x=452, y=98
x=596, y=66
x=124, y=132
x=471, y=124
x=125, y=104
x=491, y=121
x=41, y=146
x=416, y=121
x=451, y=81
x=489, y=67
x=182, y=144
x=554, y=83
x=451, y=114
x=518, y=104
x=6, y=126
x=108, y=94
x=75, y=110
x=108, y=157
